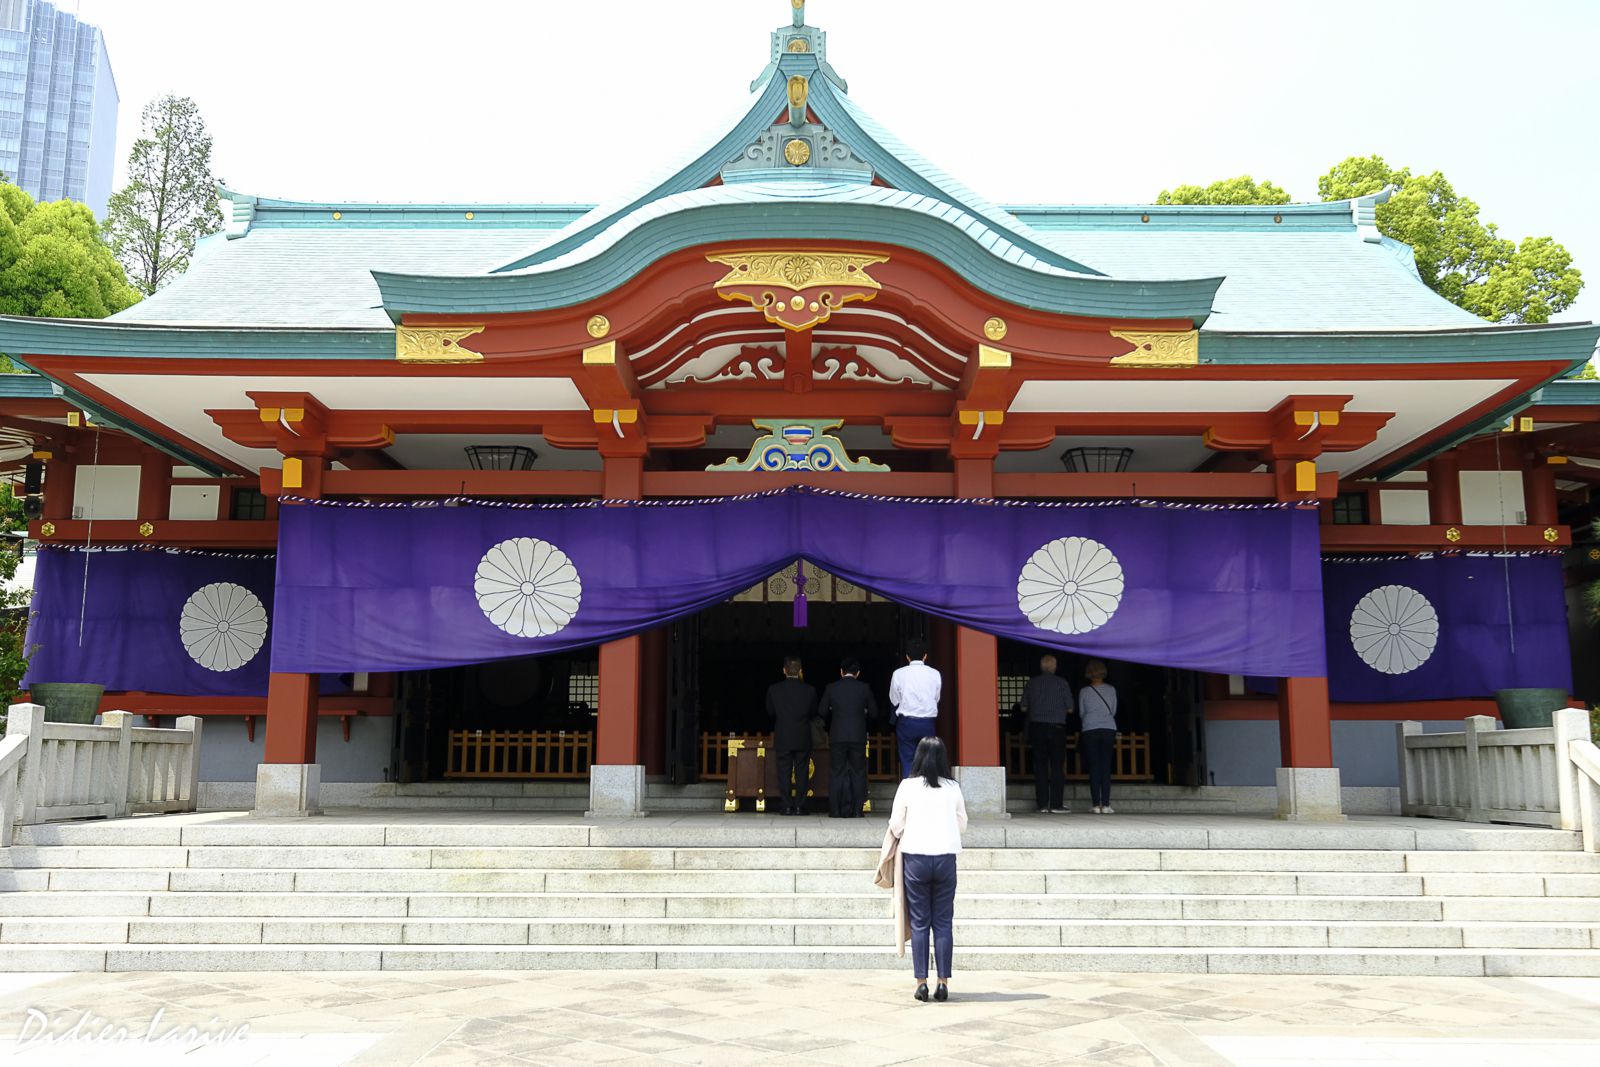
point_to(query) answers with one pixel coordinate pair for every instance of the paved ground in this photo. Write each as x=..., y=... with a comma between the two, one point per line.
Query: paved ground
x=837, y=1020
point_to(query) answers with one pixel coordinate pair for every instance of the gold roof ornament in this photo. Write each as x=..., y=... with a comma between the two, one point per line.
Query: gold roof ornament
x=435, y=344
x=1159, y=348
x=797, y=152
x=795, y=289
x=599, y=326
x=996, y=329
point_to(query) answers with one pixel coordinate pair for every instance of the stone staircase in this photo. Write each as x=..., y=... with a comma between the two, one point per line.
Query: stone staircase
x=429, y=890
x=707, y=797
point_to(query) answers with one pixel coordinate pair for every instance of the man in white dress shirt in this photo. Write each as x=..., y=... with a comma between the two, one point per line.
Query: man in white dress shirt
x=914, y=692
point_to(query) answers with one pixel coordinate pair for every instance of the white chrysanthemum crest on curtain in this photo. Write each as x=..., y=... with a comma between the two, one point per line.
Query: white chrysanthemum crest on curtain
x=1073, y=585
x=222, y=626
x=1394, y=629
x=528, y=587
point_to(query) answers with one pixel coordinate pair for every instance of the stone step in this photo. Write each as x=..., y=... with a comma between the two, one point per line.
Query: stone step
x=1462, y=962
x=325, y=877
x=477, y=829
x=20, y=866
x=472, y=902
x=816, y=933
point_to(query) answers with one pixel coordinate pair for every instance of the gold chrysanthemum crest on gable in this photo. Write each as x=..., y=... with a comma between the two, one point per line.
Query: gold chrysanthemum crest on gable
x=435, y=344
x=820, y=283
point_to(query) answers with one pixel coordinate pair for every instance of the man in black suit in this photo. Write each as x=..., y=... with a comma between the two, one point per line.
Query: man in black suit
x=848, y=707
x=792, y=704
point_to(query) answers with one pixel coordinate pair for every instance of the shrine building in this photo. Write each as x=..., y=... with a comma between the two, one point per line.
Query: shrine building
x=395, y=494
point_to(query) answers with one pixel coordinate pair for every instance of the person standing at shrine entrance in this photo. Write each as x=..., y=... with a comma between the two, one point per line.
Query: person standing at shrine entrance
x=847, y=707
x=1047, y=701
x=914, y=693
x=792, y=704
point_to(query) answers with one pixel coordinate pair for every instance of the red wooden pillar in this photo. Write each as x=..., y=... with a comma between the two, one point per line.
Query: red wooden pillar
x=291, y=718
x=653, y=700
x=1539, y=492
x=617, y=726
x=977, y=653
x=292, y=698
x=155, y=487
x=1444, y=489
x=1305, y=729
x=60, y=483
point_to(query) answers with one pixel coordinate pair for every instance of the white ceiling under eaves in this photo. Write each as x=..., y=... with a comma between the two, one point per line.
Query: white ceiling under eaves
x=1420, y=406
x=181, y=401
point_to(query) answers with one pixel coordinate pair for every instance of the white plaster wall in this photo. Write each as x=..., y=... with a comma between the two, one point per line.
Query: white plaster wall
x=1492, y=498
x=195, y=501
x=112, y=488
x=1403, y=507
x=227, y=754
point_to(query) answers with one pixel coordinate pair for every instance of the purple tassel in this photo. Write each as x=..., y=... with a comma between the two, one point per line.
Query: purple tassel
x=800, y=594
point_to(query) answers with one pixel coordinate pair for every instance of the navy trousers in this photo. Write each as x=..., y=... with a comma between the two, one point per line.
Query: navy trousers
x=931, y=907
x=909, y=731
x=1098, y=748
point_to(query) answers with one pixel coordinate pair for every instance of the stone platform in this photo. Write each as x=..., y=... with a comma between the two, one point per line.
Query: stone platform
x=365, y=889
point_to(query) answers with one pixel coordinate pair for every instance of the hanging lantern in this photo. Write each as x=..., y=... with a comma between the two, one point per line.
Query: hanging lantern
x=1097, y=460
x=501, y=457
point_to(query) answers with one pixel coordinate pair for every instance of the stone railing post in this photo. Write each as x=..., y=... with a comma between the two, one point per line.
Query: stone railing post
x=1476, y=724
x=1403, y=730
x=1570, y=724
x=28, y=720
x=118, y=787
x=190, y=782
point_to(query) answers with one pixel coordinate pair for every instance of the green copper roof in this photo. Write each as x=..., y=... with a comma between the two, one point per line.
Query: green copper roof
x=801, y=211
x=26, y=385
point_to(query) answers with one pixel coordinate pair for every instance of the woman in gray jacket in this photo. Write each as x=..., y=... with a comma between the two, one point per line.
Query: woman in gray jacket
x=1097, y=709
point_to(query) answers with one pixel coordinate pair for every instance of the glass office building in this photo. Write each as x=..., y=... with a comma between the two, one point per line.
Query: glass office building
x=58, y=104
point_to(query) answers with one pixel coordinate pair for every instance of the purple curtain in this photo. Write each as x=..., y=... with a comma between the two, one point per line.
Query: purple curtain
x=191, y=624
x=410, y=587
x=1445, y=627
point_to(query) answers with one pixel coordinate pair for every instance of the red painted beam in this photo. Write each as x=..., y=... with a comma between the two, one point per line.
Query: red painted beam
x=1152, y=484
x=410, y=483
x=718, y=483
x=1436, y=538
x=188, y=533
x=1265, y=709
x=165, y=704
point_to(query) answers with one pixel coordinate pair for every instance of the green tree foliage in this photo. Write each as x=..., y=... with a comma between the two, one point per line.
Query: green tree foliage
x=55, y=262
x=1459, y=256
x=170, y=201
x=1241, y=190
x=13, y=603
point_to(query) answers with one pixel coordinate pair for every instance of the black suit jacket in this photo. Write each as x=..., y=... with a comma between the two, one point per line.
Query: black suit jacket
x=848, y=707
x=791, y=704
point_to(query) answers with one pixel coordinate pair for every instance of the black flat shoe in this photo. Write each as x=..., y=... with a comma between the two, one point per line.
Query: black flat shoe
x=922, y=992
x=942, y=994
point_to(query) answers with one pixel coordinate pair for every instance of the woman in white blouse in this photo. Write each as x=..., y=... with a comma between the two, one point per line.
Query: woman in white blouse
x=928, y=818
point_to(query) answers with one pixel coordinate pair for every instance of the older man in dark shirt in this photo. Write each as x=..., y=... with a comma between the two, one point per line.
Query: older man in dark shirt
x=1047, y=701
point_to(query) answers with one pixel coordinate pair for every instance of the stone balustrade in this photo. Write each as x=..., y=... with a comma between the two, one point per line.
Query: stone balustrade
x=1485, y=774
x=59, y=770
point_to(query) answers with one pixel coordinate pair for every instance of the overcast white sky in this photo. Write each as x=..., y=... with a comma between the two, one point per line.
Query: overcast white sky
x=1076, y=101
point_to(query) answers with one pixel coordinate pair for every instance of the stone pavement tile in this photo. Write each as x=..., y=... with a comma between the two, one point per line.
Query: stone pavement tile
x=860, y=1054
x=719, y=1055
x=930, y=1042
x=789, y=1042
x=1063, y=1044
x=645, y=1040
x=985, y=1030
x=1003, y=1055
x=1128, y=1056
